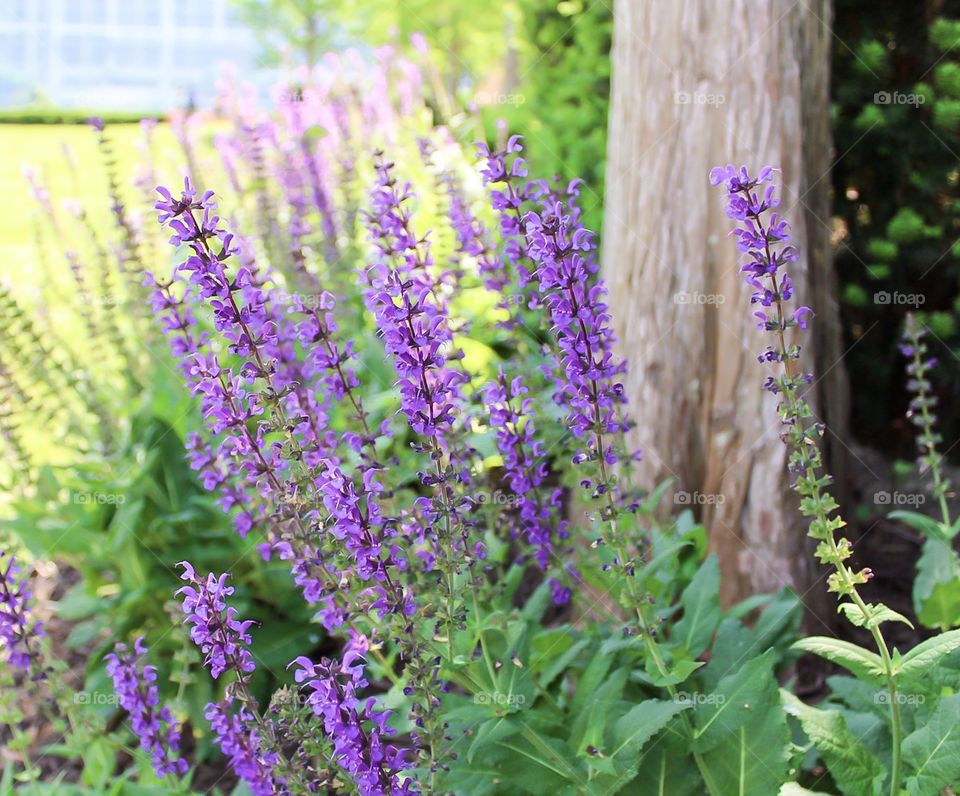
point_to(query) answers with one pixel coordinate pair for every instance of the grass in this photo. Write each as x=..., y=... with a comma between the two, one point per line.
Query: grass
x=49, y=149
x=68, y=160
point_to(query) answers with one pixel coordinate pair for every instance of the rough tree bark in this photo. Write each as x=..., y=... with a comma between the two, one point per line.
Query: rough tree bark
x=697, y=83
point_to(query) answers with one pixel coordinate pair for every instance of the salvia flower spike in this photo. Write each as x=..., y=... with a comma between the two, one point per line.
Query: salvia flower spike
x=135, y=685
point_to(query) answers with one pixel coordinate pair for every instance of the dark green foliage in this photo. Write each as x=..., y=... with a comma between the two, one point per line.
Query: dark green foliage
x=562, y=709
x=896, y=120
x=564, y=92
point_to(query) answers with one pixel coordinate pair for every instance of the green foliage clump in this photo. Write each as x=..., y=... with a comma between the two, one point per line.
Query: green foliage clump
x=565, y=48
x=896, y=126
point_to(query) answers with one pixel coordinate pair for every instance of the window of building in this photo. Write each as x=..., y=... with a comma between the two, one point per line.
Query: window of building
x=85, y=12
x=139, y=12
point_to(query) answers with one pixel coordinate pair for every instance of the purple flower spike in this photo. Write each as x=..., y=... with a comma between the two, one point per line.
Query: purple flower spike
x=355, y=728
x=135, y=687
x=590, y=387
x=410, y=312
x=17, y=631
x=524, y=460
x=221, y=637
x=765, y=241
x=240, y=742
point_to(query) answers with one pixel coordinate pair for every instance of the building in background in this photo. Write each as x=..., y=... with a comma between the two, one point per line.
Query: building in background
x=136, y=55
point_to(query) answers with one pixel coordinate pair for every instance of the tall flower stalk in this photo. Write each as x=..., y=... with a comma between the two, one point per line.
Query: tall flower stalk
x=920, y=413
x=764, y=237
x=550, y=249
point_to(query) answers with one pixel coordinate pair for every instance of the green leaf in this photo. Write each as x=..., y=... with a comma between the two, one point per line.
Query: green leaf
x=639, y=724
x=666, y=767
x=938, y=566
x=733, y=645
x=628, y=736
x=550, y=643
x=591, y=719
x=491, y=731
x=856, y=771
x=933, y=751
x=928, y=526
x=660, y=558
x=742, y=731
x=677, y=672
x=878, y=615
x=864, y=664
x=590, y=680
x=942, y=609
x=98, y=763
x=928, y=654
x=748, y=605
x=701, y=608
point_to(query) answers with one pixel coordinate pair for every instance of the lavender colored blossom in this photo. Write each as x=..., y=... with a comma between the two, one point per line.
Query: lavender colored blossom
x=590, y=387
x=18, y=632
x=357, y=730
x=221, y=637
x=270, y=391
x=765, y=244
x=510, y=414
x=411, y=318
x=552, y=250
x=508, y=170
x=135, y=686
x=242, y=744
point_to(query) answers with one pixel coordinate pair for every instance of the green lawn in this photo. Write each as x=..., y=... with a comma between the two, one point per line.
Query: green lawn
x=44, y=148
x=43, y=285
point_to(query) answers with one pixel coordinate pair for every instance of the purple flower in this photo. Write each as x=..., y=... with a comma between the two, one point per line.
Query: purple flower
x=507, y=169
x=510, y=414
x=169, y=207
x=135, y=687
x=241, y=742
x=765, y=241
x=357, y=730
x=221, y=637
x=589, y=387
x=763, y=236
x=410, y=313
x=17, y=631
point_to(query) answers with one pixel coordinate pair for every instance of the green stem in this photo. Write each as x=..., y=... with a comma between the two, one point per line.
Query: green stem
x=796, y=410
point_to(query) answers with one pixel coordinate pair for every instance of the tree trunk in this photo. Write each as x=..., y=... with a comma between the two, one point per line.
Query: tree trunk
x=699, y=83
